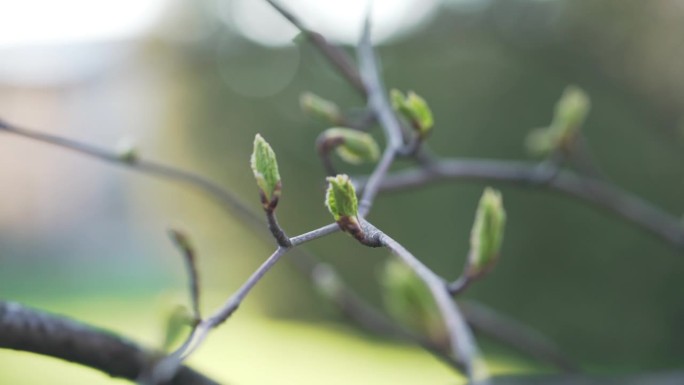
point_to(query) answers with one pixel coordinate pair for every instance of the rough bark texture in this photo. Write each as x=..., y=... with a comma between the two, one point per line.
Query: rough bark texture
x=31, y=330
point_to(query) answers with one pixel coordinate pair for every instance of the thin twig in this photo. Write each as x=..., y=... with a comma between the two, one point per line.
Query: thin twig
x=182, y=242
x=377, y=101
x=168, y=366
x=602, y=195
x=324, y=146
x=278, y=233
x=225, y=197
x=460, y=285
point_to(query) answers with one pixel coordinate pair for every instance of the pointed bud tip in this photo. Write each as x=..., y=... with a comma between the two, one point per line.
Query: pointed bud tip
x=180, y=238
x=487, y=233
x=265, y=168
x=340, y=198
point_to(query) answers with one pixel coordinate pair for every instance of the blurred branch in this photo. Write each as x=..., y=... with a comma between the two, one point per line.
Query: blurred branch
x=335, y=55
x=182, y=242
x=515, y=334
x=169, y=365
x=377, y=101
x=460, y=337
x=366, y=316
x=600, y=194
x=34, y=331
x=225, y=197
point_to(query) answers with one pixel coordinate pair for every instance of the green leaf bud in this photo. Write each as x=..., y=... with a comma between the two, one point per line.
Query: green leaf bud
x=569, y=115
x=571, y=110
x=352, y=146
x=415, y=109
x=322, y=108
x=265, y=169
x=340, y=198
x=486, y=236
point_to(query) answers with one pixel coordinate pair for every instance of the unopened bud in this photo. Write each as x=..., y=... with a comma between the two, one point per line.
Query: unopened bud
x=569, y=115
x=340, y=198
x=415, y=109
x=265, y=169
x=486, y=236
x=352, y=146
x=322, y=108
x=181, y=239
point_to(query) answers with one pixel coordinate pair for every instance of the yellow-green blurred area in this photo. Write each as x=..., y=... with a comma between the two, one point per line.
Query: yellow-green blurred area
x=192, y=82
x=251, y=349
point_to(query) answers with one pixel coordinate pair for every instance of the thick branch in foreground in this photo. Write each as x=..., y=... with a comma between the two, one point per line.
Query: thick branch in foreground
x=34, y=331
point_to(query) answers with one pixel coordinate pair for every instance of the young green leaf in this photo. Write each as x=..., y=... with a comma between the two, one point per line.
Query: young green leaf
x=571, y=110
x=352, y=146
x=178, y=321
x=415, y=109
x=486, y=236
x=265, y=169
x=569, y=115
x=340, y=198
x=322, y=108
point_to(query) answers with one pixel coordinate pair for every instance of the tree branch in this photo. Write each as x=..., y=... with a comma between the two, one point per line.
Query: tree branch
x=336, y=56
x=602, y=195
x=377, y=101
x=461, y=340
x=35, y=331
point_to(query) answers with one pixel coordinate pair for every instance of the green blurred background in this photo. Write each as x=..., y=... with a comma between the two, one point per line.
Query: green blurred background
x=195, y=81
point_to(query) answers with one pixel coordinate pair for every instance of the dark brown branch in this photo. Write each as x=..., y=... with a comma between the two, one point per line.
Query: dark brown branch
x=34, y=331
x=278, y=233
x=602, y=195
